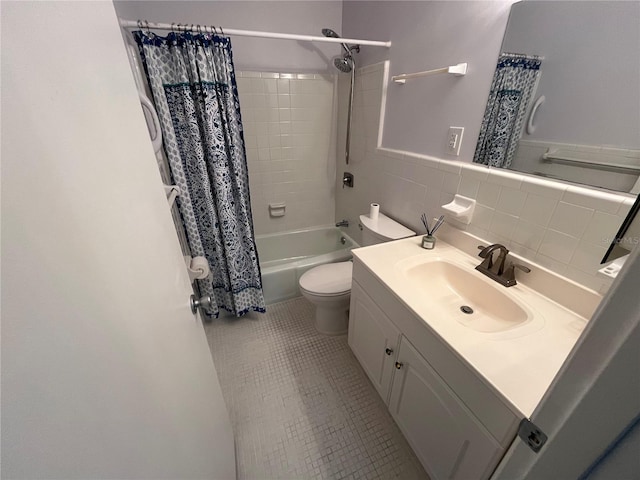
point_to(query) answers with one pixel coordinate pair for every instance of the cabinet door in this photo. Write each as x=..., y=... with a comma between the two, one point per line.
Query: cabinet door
x=373, y=339
x=446, y=437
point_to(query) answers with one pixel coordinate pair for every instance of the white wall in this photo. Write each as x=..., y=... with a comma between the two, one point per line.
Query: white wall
x=427, y=35
x=258, y=54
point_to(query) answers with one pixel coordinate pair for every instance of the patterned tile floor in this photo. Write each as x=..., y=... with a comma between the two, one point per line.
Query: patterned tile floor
x=300, y=404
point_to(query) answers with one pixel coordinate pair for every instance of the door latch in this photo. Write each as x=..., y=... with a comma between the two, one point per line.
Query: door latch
x=196, y=303
x=531, y=435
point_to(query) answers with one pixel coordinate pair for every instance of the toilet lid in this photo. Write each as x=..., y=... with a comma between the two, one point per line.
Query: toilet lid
x=329, y=279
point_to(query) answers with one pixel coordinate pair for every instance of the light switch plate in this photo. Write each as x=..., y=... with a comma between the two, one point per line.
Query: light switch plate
x=454, y=140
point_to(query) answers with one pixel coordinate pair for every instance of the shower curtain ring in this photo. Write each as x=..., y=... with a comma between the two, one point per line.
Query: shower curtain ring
x=146, y=23
x=139, y=22
x=172, y=24
x=215, y=30
x=222, y=31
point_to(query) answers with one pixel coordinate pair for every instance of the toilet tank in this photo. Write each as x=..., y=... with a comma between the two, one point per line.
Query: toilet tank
x=384, y=229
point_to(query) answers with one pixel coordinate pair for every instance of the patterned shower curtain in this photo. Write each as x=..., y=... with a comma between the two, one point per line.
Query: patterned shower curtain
x=512, y=89
x=195, y=93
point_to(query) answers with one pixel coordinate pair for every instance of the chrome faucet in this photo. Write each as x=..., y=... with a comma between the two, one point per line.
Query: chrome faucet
x=342, y=223
x=500, y=271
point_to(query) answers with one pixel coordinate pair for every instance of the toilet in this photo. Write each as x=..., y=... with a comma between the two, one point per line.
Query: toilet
x=328, y=287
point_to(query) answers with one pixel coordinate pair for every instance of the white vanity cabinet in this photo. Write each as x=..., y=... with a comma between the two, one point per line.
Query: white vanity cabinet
x=458, y=426
x=374, y=340
x=447, y=438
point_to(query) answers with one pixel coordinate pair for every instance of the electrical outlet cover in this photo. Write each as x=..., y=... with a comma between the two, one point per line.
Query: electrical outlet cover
x=454, y=140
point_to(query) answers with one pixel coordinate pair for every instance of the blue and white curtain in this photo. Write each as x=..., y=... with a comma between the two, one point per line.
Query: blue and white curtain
x=195, y=93
x=512, y=89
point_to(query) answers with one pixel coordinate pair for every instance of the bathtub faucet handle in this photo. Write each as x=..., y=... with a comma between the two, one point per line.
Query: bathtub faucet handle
x=342, y=223
x=347, y=180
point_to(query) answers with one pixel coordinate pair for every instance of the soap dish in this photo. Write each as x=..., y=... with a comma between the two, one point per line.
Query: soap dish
x=277, y=209
x=461, y=208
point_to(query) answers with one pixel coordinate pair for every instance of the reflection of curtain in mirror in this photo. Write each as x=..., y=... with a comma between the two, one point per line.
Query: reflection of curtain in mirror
x=512, y=89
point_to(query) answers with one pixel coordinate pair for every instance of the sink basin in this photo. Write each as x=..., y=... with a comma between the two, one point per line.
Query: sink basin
x=466, y=297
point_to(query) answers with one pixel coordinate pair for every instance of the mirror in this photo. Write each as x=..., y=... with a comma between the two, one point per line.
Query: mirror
x=578, y=119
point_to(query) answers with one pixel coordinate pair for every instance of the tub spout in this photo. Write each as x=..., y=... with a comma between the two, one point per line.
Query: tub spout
x=342, y=223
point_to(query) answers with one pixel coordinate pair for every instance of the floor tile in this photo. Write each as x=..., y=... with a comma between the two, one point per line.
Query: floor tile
x=300, y=404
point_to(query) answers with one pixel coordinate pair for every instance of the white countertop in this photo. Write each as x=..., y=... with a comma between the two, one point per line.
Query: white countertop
x=519, y=363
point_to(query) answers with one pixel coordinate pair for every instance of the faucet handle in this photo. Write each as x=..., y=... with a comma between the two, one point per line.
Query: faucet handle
x=510, y=273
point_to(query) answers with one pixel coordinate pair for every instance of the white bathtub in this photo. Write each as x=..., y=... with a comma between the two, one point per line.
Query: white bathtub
x=284, y=257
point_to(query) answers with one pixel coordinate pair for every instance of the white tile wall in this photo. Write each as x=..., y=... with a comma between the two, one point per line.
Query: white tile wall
x=566, y=228
x=289, y=134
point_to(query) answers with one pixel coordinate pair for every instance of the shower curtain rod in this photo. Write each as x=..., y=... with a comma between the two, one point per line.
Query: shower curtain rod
x=249, y=33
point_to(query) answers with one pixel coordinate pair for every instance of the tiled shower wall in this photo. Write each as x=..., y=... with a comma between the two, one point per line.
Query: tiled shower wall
x=289, y=132
x=563, y=227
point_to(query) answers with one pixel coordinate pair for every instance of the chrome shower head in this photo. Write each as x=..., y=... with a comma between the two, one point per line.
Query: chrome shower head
x=327, y=32
x=344, y=64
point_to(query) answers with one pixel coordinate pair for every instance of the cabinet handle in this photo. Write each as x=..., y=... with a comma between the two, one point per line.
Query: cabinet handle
x=388, y=351
x=399, y=365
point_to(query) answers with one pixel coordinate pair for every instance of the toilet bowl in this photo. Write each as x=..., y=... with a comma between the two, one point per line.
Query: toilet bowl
x=328, y=287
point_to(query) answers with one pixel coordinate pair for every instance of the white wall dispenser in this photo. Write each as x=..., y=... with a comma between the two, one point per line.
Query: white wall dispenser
x=461, y=208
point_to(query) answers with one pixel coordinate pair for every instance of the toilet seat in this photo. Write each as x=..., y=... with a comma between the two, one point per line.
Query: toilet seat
x=329, y=280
